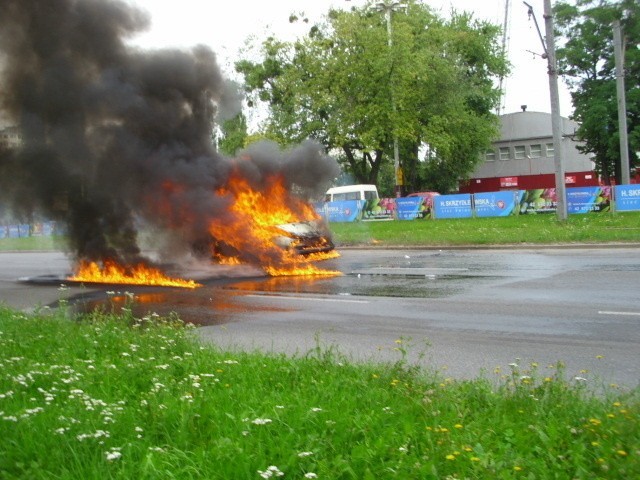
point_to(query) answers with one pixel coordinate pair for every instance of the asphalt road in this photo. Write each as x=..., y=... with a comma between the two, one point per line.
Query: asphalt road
x=462, y=312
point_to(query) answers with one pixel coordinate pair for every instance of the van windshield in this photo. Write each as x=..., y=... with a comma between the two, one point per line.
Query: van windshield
x=370, y=195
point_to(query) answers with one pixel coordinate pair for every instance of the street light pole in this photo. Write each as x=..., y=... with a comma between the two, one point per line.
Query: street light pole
x=387, y=7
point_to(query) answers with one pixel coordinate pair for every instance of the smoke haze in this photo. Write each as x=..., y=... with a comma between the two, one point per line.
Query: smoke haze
x=113, y=137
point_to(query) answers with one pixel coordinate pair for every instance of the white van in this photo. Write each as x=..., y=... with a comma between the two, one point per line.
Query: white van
x=352, y=192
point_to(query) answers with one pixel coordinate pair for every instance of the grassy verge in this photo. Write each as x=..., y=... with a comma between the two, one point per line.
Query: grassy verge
x=112, y=396
x=525, y=229
x=32, y=243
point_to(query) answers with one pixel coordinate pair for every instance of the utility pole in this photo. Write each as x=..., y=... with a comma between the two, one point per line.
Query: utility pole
x=618, y=48
x=387, y=7
x=556, y=121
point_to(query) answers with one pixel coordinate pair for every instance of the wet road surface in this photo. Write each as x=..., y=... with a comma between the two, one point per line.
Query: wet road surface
x=460, y=311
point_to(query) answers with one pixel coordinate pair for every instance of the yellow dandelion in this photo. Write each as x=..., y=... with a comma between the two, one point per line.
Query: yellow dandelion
x=548, y=379
x=399, y=341
x=610, y=415
x=622, y=453
x=451, y=457
x=595, y=444
x=599, y=357
x=468, y=449
x=517, y=468
x=617, y=404
x=475, y=459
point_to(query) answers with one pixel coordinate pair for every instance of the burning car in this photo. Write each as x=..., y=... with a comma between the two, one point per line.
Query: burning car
x=304, y=238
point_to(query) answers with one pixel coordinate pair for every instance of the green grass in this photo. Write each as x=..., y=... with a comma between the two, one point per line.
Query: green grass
x=113, y=396
x=32, y=243
x=523, y=230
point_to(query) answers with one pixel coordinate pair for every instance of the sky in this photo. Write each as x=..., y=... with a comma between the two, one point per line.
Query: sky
x=225, y=26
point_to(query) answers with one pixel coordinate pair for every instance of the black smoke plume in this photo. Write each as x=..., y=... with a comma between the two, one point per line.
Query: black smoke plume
x=115, y=137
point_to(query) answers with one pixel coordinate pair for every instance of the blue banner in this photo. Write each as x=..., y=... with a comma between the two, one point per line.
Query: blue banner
x=588, y=199
x=410, y=208
x=627, y=198
x=452, y=206
x=4, y=231
x=344, y=210
x=496, y=204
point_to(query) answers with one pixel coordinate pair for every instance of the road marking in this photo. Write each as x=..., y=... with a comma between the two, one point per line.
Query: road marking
x=633, y=314
x=313, y=299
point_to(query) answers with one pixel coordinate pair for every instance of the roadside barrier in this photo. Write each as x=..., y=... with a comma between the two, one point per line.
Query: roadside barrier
x=580, y=200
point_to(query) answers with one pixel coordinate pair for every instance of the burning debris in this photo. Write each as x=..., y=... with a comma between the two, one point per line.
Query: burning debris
x=116, y=140
x=140, y=274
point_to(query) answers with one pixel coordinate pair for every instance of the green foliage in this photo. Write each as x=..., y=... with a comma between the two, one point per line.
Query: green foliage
x=234, y=135
x=587, y=61
x=114, y=396
x=344, y=86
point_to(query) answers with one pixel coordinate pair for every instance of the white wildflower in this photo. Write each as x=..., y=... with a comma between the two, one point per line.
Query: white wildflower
x=261, y=421
x=271, y=471
x=305, y=454
x=113, y=455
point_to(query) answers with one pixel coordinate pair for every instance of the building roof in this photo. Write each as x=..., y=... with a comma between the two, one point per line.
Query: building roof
x=531, y=125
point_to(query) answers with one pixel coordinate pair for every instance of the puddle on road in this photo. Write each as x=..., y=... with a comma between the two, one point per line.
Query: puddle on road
x=407, y=286
x=203, y=306
x=215, y=303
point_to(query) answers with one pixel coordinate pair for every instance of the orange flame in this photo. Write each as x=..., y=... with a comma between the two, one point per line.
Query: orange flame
x=251, y=227
x=140, y=274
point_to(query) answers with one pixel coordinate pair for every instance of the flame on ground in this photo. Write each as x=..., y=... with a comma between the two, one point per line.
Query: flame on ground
x=140, y=274
x=252, y=227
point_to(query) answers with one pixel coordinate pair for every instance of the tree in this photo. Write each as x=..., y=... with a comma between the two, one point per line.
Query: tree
x=587, y=61
x=339, y=85
x=234, y=135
